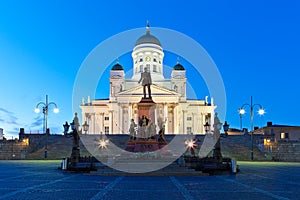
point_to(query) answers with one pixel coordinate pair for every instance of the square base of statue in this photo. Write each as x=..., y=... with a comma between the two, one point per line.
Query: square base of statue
x=147, y=107
x=141, y=145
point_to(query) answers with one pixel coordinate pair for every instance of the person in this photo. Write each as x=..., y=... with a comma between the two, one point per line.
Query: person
x=146, y=82
x=132, y=130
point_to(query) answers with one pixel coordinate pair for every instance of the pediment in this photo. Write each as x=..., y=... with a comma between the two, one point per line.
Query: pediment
x=155, y=91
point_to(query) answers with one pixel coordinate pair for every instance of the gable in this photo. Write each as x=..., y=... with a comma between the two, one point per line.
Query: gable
x=155, y=91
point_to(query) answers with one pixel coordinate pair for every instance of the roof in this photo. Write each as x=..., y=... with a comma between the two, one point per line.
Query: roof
x=147, y=39
x=178, y=66
x=117, y=66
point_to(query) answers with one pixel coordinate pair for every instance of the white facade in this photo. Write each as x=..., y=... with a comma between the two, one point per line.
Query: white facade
x=173, y=109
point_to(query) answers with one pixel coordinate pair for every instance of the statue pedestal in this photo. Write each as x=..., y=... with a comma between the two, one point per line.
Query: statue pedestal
x=141, y=145
x=147, y=107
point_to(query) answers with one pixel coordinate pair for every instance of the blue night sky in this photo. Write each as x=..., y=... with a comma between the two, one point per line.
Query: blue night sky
x=255, y=45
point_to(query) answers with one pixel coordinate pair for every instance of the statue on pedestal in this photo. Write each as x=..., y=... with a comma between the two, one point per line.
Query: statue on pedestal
x=217, y=150
x=161, y=134
x=132, y=130
x=146, y=82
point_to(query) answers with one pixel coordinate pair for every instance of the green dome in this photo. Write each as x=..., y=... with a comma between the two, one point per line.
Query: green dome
x=178, y=66
x=117, y=66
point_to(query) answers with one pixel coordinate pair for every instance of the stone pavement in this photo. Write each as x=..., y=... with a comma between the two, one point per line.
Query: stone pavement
x=42, y=180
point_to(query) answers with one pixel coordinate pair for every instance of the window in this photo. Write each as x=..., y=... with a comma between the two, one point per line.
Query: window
x=188, y=130
x=154, y=68
x=106, y=130
x=189, y=118
x=141, y=60
x=141, y=68
x=106, y=118
x=284, y=135
x=154, y=60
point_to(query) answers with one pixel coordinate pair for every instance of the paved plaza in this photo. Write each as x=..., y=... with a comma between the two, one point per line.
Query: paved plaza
x=43, y=180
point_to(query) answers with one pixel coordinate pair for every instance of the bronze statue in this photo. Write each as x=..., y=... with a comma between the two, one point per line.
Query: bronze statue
x=161, y=134
x=146, y=82
x=132, y=130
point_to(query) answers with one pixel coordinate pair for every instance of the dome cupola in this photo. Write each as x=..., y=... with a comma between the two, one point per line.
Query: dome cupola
x=148, y=38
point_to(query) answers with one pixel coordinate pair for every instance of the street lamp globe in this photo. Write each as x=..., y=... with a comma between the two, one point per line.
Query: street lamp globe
x=207, y=127
x=66, y=127
x=261, y=111
x=225, y=128
x=85, y=127
x=36, y=110
x=73, y=125
x=56, y=110
x=242, y=111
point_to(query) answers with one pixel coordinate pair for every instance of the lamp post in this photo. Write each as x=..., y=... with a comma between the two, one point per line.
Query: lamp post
x=206, y=127
x=45, y=107
x=242, y=111
x=225, y=128
x=86, y=127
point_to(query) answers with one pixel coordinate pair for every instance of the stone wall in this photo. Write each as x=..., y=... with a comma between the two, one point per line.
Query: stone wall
x=285, y=151
x=237, y=147
x=10, y=150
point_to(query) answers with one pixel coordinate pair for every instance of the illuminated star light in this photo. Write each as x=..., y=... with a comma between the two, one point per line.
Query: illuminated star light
x=190, y=144
x=103, y=143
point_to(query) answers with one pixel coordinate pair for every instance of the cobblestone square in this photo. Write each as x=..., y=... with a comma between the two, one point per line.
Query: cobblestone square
x=43, y=180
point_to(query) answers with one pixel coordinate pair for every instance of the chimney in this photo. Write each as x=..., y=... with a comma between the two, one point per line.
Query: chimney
x=269, y=124
x=22, y=131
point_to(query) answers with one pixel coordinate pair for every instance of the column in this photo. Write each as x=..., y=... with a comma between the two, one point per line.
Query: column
x=111, y=121
x=91, y=123
x=97, y=123
x=129, y=113
x=120, y=119
x=212, y=118
x=136, y=115
x=94, y=123
x=102, y=123
x=202, y=122
x=194, y=125
x=183, y=121
x=166, y=117
x=176, y=122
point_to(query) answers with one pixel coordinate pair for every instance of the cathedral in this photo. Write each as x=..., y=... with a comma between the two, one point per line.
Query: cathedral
x=174, y=110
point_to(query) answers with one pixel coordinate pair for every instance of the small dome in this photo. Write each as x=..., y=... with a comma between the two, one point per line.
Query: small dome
x=178, y=66
x=117, y=66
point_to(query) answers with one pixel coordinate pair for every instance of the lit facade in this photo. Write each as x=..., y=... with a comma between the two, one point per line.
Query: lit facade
x=179, y=114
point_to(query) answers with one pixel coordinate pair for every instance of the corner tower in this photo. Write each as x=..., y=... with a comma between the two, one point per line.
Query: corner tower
x=117, y=80
x=179, y=80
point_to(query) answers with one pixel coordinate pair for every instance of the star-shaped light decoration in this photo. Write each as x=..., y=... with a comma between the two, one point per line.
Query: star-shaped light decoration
x=190, y=144
x=103, y=143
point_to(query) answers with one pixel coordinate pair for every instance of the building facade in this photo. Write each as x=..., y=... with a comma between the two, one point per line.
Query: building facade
x=173, y=109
